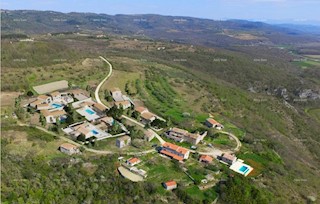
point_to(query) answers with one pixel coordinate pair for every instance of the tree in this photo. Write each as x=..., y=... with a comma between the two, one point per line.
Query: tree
x=81, y=138
x=158, y=123
x=29, y=93
x=147, y=126
x=20, y=112
x=107, y=96
x=213, y=133
x=42, y=120
x=136, y=115
x=115, y=112
x=58, y=122
x=169, y=122
x=17, y=102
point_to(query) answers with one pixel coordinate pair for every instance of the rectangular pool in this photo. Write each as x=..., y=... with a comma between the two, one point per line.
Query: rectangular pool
x=89, y=111
x=244, y=169
x=95, y=132
x=56, y=105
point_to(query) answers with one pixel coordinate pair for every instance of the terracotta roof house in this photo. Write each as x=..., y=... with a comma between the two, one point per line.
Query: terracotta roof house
x=170, y=185
x=174, y=151
x=212, y=123
x=141, y=109
x=205, y=159
x=55, y=95
x=133, y=161
x=99, y=107
x=45, y=98
x=148, y=117
x=43, y=106
x=69, y=148
x=35, y=103
x=107, y=120
x=52, y=116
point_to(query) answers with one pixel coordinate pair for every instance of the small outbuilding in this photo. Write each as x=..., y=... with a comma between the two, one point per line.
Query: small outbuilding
x=170, y=185
x=205, y=159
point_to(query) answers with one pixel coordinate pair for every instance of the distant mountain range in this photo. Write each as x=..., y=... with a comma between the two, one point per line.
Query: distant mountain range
x=173, y=28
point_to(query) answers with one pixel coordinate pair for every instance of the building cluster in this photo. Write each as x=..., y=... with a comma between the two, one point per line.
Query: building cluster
x=174, y=151
x=97, y=123
x=120, y=100
x=90, y=109
x=235, y=164
x=131, y=163
x=180, y=135
x=69, y=148
x=51, y=106
x=212, y=123
x=145, y=115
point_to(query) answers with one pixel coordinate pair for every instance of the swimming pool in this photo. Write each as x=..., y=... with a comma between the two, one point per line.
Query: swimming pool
x=91, y=112
x=56, y=105
x=95, y=132
x=244, y=169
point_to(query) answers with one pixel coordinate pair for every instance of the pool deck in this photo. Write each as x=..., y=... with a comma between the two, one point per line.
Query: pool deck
x=238, y=164
x=89, y=117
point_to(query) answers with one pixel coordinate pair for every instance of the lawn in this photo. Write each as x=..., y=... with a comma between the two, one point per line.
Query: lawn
x=222, y=141
x=109, y=144
x=161, y=170
x=119, y=79
x=26, y=140
x=314, y=113
x=307, y=63
x=79, y=73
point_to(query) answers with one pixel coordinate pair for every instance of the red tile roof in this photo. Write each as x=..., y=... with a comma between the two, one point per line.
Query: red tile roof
x=147, y=115
x=174, y=156
x=134, y=160
x=140, y=109
x=175, y=147
x=213, y=121
x=206, y=158
x=171, y=183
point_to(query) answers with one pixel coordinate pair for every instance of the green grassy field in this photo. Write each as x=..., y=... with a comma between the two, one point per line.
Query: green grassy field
x=315, y=113
x=307, y=64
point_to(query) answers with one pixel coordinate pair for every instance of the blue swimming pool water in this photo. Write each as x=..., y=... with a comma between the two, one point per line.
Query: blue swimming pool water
x=56, y=105
x=95, y=132
x=244, y=169
x=91, y=112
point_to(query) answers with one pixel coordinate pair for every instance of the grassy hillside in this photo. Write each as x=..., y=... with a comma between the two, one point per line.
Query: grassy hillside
x=176, y=28
x=279, y=142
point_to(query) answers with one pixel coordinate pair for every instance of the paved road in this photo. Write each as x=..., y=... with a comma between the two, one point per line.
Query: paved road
x=214, y=152
x=96, y=93
x=142, y=125
x=86, y=148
